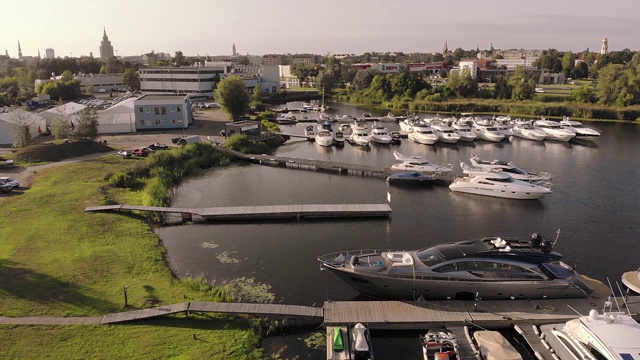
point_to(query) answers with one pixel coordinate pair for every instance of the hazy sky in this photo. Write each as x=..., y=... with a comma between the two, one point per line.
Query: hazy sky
x=209, y=27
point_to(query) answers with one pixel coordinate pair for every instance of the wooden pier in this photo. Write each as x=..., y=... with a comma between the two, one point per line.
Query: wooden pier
x=297, y=211
x=329, y=166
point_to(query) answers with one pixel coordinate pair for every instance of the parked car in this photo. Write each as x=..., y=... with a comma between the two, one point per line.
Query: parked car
x=9, y=181
x=4, y=187
x=213, y=106
x=124, y=154
x=158, y=146
x=139, y=152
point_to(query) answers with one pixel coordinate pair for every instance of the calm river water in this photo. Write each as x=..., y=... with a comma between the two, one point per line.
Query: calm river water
x=595, y=202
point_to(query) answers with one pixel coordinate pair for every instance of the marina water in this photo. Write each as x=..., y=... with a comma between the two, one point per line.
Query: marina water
x=595, y=202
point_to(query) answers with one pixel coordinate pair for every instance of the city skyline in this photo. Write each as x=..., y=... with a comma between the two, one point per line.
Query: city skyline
x=75, y=28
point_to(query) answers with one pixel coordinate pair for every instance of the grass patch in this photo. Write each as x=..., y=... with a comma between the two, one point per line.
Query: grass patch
x=57, y=260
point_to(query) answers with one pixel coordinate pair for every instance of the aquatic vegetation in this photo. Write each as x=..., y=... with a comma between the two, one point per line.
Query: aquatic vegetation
x=249, y=290
x=225, y=257
x=209, y=245
x=317, y=340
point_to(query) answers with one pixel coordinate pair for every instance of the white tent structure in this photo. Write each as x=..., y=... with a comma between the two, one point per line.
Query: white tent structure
x=70, y=109
x=9, y=120
x=118, y=119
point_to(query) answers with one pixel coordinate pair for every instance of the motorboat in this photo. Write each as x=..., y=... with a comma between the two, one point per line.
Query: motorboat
x=499, y=184
x=406, y=125
x=439, y=344
x=338, y=138
x=396, y=137
x=361, y=343
x=527, y=131
x=325, y=125
x=379, y=134
x=310, y=132
x=324, y=138
x=444, y=132
x=606, y=336
x=488, y=267
x=408, y=176
x=509, y=168
x=358, y=125
x=346, y=128
x=360, y=136
x=488, y=132
x=287, y=119
x=464, y=131
x=418, y=163
x=493, y=346
x=631, y=279
x=423, y=134
x=554, y=130
x=505, y=129
x=582, y=132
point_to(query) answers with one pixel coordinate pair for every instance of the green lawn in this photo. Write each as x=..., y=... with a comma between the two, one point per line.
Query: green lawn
x=57, y=260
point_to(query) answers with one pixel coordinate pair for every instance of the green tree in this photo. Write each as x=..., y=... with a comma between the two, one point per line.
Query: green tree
x=522, y=84
x=568, y=62
x=326, y=81
x=131, y=79
x=585, y=94
x=502, y=90
x=61, y=126
x=363, y=78
x=180, y=60
x=88, y=124
x=610, y=84
x=244, y=60
x=232, y=95
x=580, y=71
x=257, y=94
x=461, y=85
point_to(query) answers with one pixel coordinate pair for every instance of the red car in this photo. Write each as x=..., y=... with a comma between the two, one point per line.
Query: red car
x=140, y=152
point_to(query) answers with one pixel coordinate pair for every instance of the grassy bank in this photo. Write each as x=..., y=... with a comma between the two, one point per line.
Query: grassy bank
x=57, y=260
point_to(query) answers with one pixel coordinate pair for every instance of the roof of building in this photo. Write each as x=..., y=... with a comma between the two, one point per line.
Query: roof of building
x=156, y=97
x=30, y=117
x=70, y=108
x=125, y=106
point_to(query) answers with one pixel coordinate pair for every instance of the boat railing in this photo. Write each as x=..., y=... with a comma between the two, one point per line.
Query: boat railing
x=325, y=258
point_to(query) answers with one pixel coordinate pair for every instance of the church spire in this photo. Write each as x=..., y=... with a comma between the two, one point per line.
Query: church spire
x=39, y=54
x=445, y=49
x=19, y=50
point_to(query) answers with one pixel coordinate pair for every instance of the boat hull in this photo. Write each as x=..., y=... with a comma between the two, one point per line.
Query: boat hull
x=500, y=193
x=432, y=288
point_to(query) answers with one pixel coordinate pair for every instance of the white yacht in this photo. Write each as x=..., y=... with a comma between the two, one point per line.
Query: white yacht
x=505, y=129
x=527, y=131
x=606, y=336
x=554, y=130
x=418, y=163
x=338, y=138
x=582, y=132
x=631, y=279
x=379, y=134
x=462, y=128
x=444, y=132
x=360, y=136
x=406, y=125
x=287, y=119
x=358, y=125
x=508, y=167
x=498, y=184
x=324, y=138
x=423, y=134
x=488, y=132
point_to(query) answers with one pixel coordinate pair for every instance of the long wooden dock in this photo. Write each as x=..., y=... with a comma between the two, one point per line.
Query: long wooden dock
x=295, y=211
x=329, y=166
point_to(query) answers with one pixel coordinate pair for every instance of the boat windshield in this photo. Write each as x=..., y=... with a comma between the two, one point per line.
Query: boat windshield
x=514, y=170
x=429, y=256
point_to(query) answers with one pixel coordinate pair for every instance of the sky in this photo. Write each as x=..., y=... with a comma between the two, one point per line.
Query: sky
x=257, y=27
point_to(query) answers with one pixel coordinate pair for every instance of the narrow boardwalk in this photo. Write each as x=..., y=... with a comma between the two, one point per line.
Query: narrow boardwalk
x=296, y=211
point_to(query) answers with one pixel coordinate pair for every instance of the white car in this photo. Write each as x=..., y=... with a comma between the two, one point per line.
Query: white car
x=9, y=181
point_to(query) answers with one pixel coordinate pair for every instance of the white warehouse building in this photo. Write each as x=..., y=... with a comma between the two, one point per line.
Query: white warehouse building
x=181, y=80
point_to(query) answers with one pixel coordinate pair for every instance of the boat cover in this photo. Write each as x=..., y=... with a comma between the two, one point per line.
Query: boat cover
x=495, y=347
x=360, y=338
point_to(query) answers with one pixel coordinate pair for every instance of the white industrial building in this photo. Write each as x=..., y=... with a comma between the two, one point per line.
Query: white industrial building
x=70, y=110
x=511, y=64
x=118, y=119
x=10, y=119
x=181, y=80
x=96, y=82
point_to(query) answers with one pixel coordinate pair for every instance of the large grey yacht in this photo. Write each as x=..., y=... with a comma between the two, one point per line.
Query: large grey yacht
x=488, y=268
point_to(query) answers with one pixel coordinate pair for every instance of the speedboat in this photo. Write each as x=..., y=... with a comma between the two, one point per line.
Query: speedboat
x=361, y=343
x=439, y=344
x=287, y=119
x=380, y=134
x=324, y=138
x=498, y=184
x=582, y=132
x=338, y=138
x=325, y=125
x=359, y=125
x=417, y=163
x=631, y=279
x=488, y=132
x=408, y=176
x=406, y=125
x=503, y=128
x=606, y=336
x=464, y=131
x=509, y=168
x=527, y=131
x=491, y=267
x=554, y=130
x=310, y=132
x=423, y=134
x=360, y=136
x=444, y=133
x=492, y=345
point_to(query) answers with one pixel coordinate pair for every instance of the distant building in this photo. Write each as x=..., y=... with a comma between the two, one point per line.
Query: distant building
x=304, y=59
x=266, y=77
x=95, y=82
x=181, y=80
x=343, y=56
x=275, y=60
x=605, y=46
x=106, y=50
x=471, y=66
x=233, y=50
x=153, y=112
x=49, y=53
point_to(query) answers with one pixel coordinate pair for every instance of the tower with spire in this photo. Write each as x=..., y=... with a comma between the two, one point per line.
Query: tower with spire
x=605, y=46
x=19, y=50
x=445, y=49
x=106, y=49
